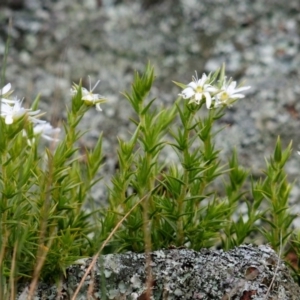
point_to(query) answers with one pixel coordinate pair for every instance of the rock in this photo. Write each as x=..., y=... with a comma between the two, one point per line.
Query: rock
x=246, y=272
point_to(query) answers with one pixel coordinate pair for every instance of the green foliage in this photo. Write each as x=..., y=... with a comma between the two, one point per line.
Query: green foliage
x=185, y=204
x=169, y=171
x=42, y=196
x=276, y=190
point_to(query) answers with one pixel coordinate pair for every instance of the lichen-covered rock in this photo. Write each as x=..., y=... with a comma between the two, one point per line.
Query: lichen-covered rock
x=245, y=272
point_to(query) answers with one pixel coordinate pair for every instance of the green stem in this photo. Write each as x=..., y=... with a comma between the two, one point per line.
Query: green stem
x=180, y=201
x=4, y=198
x=4, y=230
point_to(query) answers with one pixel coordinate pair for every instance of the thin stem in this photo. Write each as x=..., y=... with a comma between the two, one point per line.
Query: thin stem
x=180, y=201
x=146, y=208
x=42, y=249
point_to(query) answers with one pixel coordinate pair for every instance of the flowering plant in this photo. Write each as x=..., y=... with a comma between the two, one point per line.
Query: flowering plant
x=153, y=202
x=183, y=205
x=42, y=193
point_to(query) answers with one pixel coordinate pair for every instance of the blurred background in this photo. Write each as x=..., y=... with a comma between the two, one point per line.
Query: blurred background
x=54, y=43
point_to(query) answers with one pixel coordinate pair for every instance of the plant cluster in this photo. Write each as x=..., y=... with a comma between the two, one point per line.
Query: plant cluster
x=181, y=205
x=44, y=227
x=153, y=202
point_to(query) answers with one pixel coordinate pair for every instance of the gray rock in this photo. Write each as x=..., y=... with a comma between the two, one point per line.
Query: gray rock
x=245, y=272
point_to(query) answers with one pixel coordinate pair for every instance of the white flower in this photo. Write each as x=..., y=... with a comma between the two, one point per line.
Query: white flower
x=88, y=97
x=229, y=93
x=46, y=131
x=197, y=89
x=16, y=111
x=12, y=112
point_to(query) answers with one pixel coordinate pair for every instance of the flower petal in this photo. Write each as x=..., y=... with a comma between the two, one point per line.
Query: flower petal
x=198, y=96
x=88, y=97
x=244, y=88
x=192, y=85
x=5, y=89
x=202, y=80
x=237, y=96
x=98, y=108
x=9, y=119
x=187, y=93
x=208, y=99
x=3, y=100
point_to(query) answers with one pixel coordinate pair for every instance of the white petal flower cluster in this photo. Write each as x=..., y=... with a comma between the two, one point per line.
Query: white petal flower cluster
x=202, y=89
x=88, y=97
x=12, y=111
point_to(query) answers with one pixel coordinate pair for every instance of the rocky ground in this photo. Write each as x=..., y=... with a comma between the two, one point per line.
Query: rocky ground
x=54, y=43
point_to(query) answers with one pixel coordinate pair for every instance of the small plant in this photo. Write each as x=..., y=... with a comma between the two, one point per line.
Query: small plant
x=154, y=201
x=182, y=206
x=43, y=226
